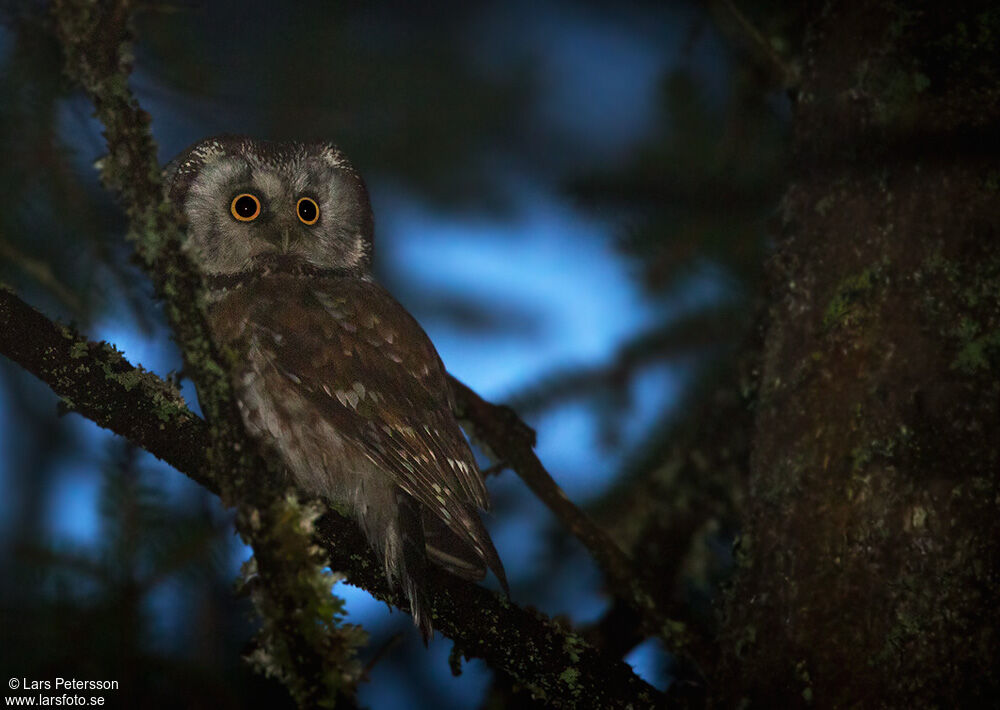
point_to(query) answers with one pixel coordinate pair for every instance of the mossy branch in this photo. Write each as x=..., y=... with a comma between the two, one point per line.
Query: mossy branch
x=301, y=641
x=96, y=381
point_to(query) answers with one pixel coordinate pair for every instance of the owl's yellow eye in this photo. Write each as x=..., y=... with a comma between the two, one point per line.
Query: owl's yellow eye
x=307, y=210
x=245, y=207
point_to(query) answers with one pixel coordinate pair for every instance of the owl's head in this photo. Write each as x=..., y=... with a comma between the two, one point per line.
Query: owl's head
x=259, y=205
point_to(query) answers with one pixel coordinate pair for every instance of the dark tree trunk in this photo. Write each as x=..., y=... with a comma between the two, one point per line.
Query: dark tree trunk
x=869, y=568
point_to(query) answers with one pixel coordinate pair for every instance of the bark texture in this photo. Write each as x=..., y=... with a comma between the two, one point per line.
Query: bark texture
x=869, y=568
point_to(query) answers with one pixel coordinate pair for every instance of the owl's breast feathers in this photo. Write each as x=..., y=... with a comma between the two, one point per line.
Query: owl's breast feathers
x=366, y=368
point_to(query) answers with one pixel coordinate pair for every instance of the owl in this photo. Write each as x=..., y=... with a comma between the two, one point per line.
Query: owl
x=334, y=378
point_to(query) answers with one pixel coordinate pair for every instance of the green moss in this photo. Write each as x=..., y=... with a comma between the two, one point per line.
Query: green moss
x=976, y=335
x=824, y=205
x=972, y=44
x=304, y=611
x=455, y=660
x=847, y=306
x=882, y=448
x=129, y=380
x=895, y=100
x=570, y=676
x=802, y=673
x=746, y=640
x=975, y=350
x=573, y=645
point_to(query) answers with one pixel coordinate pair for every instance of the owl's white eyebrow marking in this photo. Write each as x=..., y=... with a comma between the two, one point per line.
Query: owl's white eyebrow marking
x=204, y=190
x=299, y=178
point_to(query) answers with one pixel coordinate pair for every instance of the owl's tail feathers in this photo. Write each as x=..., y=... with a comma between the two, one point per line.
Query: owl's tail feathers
x=492, y=558
x=445, y=549
x=461, y=555
x=413, y=570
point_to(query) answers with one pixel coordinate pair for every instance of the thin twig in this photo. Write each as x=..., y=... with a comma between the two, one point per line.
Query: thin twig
x=41, y=272
x=507, y=438
x=787, y=73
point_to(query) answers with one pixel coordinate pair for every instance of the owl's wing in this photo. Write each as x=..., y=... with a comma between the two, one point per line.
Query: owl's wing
x=369, y=368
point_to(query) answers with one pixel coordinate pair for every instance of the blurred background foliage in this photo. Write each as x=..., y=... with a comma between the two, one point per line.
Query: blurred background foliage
x=572, y=198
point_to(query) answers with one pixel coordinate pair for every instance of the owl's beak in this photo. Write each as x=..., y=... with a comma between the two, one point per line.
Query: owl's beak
x=282, y=239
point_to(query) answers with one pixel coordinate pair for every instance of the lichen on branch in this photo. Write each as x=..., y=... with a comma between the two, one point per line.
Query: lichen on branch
x=534, y=651
x=318, y=661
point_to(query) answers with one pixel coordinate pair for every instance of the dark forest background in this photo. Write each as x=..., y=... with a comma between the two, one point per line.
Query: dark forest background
x=576, y=200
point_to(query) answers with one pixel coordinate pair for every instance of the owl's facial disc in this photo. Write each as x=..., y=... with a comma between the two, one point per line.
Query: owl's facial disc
x=277, y=207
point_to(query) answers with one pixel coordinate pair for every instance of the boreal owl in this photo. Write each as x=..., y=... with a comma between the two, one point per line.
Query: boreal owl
x=335, y=378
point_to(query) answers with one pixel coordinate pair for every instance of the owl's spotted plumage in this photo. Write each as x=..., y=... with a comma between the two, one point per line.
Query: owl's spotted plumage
x=335, y=378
